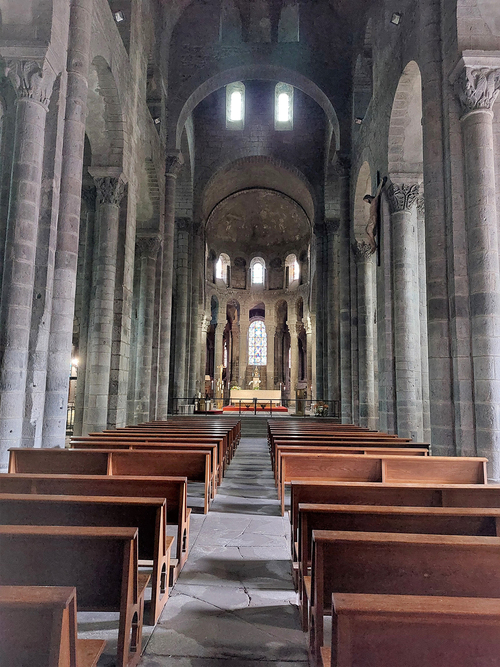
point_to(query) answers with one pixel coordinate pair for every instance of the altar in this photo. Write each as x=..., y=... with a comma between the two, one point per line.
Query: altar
x=249, y=396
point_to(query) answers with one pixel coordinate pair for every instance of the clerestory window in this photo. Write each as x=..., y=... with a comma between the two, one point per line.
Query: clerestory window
x=283, y=107
x=257, y=269
x=235, y=106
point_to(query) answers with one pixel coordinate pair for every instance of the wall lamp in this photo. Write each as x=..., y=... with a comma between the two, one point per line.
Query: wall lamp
x=396, y=18
x=119, y=16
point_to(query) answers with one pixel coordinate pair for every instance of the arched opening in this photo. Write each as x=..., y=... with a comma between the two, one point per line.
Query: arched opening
x=257, y=271
x=292, y=271
x=223, y=269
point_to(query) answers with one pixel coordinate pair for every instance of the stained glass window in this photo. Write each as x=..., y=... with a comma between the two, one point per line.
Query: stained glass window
x=257, y=344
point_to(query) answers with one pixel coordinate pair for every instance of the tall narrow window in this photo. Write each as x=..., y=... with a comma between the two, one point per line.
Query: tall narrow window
x=222, y=268
x=283, y=107
x=257, y=267
x=292, y=270
x=257, y=344
x=235, y=106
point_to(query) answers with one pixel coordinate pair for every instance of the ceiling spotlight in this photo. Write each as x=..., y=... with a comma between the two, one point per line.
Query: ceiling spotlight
x=358, y=121
x=119, y=16
x=396, y=18
x=156, y=121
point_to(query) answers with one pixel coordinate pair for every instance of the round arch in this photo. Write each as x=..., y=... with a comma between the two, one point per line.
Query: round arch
x=203, y=85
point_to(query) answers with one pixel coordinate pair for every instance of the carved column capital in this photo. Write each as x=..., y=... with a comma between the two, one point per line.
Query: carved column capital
x=31, y=79
x=363, y=251
x=110, y=189
x=183, y=224
x=332, y=225
x=402, y=197
x=147, y=245
x=477, y=88
x=173, y=163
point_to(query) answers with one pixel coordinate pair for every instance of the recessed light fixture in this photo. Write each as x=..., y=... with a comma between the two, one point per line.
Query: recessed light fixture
x=119, y=16
x=396, y=18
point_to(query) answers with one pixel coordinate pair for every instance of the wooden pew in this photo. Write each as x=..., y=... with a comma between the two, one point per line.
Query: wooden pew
x=146, y=514
x=173, y=489
x=193, y=464
x=381, y=519
x=397, y=564
x=38, y=629
x=413, y=630
x=384, y=469
x=334, y=449
x=138, y=442
x=101, y=563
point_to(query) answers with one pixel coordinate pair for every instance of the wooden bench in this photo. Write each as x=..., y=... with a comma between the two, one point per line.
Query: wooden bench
x=173, y=489
x=413, y=630
x=384, y=469
x=397, y=564
x=38, y=629
x=193, y=464
x=381, y=519
x=333, y=449
x=101, y=563
x=145, y=442
x=146, y=514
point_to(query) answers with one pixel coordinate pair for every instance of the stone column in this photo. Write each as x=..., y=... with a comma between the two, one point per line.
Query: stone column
x=110, y=186
x=424, y=346
x=203, y=330
x=147, y=247
x=83, y=293
x=345, y=293
x=33, y=81
x=271, y=332
x=183, y=226
x=235, y=352
x=311, y=356
x=366, y=334
x=244, y=325
x=295, y=329
x=66, y=257
x=402, y=202
x=174, y=162
x=194, y=362
x=478, y=87
x=219, y=349
x=333, y=332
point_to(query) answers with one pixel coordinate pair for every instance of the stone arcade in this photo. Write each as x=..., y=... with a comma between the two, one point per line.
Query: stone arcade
x=183, y=188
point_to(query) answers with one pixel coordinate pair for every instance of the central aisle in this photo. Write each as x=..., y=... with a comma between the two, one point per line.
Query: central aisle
x=234, y=602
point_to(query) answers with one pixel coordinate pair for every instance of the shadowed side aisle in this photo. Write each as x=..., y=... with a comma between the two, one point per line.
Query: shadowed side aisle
x=234, y=602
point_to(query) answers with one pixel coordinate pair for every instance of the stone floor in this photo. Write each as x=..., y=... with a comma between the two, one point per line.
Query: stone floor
x=234, y=602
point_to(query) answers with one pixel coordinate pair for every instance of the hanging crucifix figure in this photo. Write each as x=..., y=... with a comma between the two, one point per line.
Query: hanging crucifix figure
x=374, y=216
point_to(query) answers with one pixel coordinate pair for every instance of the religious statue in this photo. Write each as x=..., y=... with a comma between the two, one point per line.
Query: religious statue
x=373, y=220
x=255, y=381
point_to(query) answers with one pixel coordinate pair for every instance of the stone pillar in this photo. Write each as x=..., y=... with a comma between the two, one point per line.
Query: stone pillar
x=203, y=330
x=194, y=384
x=83, y=293
x=311, y=386
x=345, y=294
x=174, y=162
x=33, y=83
x=235, y=368
x=244, y=325
x=366, y=334
x=333, y=331
x=271, y=332
x=66, y=257
x=478, y=87
x=402, y=202
x=424, y=347
x=295, y=329
x=147, y=247
x=110, y=186
x=183, y=285
x=219, y=350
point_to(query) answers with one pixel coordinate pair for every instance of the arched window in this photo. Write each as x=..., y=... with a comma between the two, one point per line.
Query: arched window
x=283, y=107
x=292, y=270
x=235, y=106
x=257, y=269
x=257, y=344
x=222, y=268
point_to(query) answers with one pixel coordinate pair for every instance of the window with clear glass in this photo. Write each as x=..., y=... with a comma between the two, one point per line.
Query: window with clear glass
x=257, y=267
x=222, y=268
x=257, y=344
x=235, y=105
x=292, y=270
x=283, y=107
